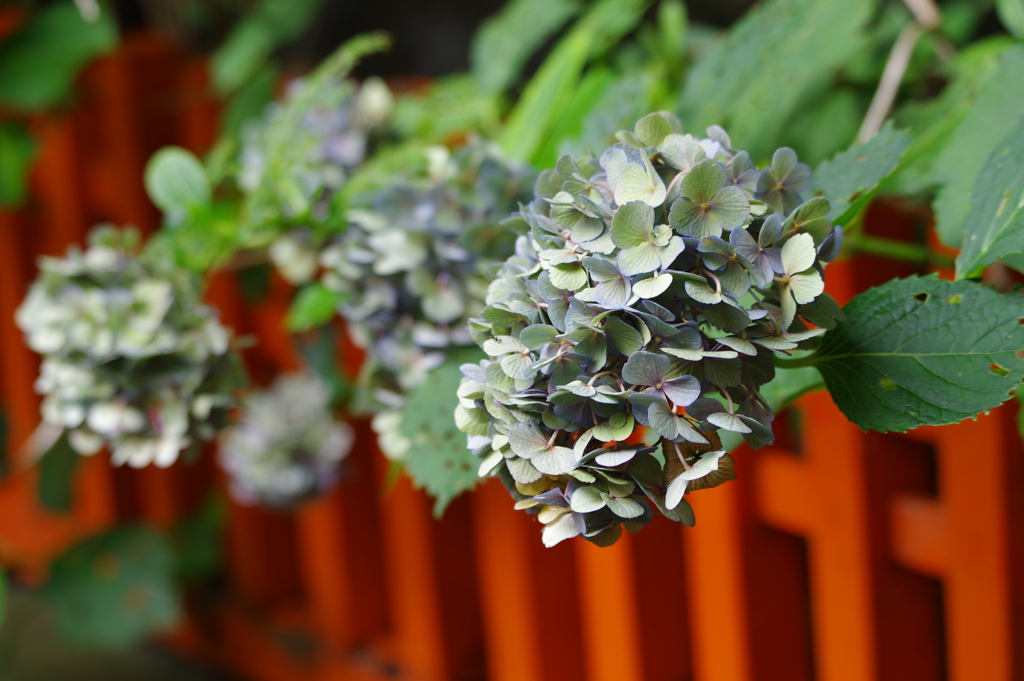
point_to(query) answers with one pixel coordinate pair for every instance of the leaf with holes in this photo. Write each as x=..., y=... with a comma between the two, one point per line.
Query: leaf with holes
x=849, y=179
x=923, y=351
x=439, y=461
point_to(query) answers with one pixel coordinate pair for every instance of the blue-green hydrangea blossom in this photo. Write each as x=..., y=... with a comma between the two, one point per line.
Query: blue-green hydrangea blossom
x=651, y=287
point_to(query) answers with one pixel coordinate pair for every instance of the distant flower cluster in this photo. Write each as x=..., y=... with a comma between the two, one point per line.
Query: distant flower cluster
x=287, y=447
x=650, y=287
x=295, y=160
x=411, y=265
x=132, y=360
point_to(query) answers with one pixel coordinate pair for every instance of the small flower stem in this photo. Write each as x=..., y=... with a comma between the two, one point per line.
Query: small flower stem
x=679, y=454
x=795, y=362
x=597, y=376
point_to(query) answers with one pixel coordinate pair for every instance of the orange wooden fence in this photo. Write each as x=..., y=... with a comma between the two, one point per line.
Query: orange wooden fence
x=837, y=555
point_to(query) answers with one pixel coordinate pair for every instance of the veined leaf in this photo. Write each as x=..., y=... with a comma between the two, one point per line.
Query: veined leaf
x=995, y=225
x=438, y=460
x=796, y=45
x=923, y=351
x=984, y=127
x=849, y=178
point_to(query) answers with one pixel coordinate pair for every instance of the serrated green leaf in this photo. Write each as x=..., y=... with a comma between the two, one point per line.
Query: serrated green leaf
x=848, y=179
x=115, y=589
x=175, y=180
x=997, y=107
x=923, y=351
x=797, y=45
x=995, y=225
x=438, y=460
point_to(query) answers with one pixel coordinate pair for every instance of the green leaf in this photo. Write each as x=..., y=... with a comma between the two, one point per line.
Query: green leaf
x=995, y=225
x=198, y=540
x=115, y=589
x=982, y=129
x=57, y=469
x=250, y=101
x=797, y=45
x=39, y=62
x=17, y=151
x=175, y=180
x=633, y=225
x=504, y=42
x=849, y=179
x=313, y=306
x=253, y=40
x=1011, y=14
x=551, y=88
x=536, y=336
x=923, y=351
x=438, y=460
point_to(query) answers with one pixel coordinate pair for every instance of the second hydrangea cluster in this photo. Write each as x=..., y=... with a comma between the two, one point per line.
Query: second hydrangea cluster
x=131, y=358
x=650, y=288
x=411, y=266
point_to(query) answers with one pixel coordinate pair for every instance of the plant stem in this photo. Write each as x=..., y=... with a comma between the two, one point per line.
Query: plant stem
x=897, y=250
x=795, y=362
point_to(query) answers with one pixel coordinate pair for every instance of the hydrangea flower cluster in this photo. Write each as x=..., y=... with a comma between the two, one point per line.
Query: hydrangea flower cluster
x=411, y=266
x=131, y=358
x=288, y=447
x=296, y=159
x=650, y=288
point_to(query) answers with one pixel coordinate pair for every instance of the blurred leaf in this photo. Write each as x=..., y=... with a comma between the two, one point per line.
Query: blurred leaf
x=576, y=114
x=621, y=104
x=923, y=351
x=251, y=99
x=451, y=105
x=1011, y=14
x=505, y=41
x=313, y=306
x=253, y=40
x=995, y=225
x=996, y=110
x=56, y=476
x=115, y=589
x=205, y=237
x=319, y=351
x=17, y=151
x=754, y=79
x=176, y=181
x=3, y=596
x=438, y=460
x=827, y=125
x=550, y=90
x=39, y=62
x=198, y=540
x=848, y=179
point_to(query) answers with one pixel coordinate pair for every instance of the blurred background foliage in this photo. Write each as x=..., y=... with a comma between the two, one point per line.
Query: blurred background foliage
x=544, y=77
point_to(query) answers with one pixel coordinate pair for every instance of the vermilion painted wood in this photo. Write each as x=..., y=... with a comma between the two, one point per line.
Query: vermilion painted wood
x=524, y=642
x=339, y=543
